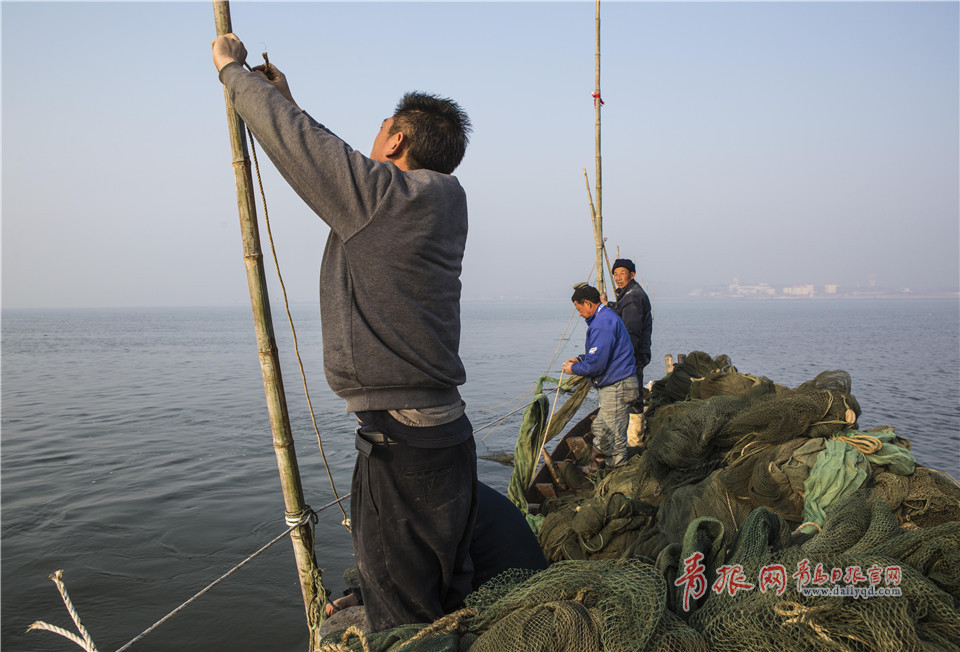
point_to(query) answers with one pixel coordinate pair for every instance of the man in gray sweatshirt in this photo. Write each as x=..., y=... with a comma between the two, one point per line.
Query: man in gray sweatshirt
x=390, y=316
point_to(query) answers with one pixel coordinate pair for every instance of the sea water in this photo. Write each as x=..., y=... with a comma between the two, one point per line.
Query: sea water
x=136, y=448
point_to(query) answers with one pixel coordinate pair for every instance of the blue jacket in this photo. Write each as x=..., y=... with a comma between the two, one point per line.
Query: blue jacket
x=609, y=357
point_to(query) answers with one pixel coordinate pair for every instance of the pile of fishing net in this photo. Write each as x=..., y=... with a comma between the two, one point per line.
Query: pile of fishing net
x=632, y=604
x=747, y=495
x=617, y=605
x=861, y=544
x=735, y=443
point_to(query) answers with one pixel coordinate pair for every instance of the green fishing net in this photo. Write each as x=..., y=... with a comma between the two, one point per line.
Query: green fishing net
x=537, y=428
x=857, y=535
x=747, y=495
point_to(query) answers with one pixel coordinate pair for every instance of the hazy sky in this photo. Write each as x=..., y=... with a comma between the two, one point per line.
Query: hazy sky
x=777, y=142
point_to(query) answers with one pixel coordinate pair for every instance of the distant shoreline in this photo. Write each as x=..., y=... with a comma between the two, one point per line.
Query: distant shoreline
x=887, y=296
x=705, y=298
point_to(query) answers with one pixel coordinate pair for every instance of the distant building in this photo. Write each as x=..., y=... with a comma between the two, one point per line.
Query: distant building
x=799, y=291
x=831, y=288
x=761, y=290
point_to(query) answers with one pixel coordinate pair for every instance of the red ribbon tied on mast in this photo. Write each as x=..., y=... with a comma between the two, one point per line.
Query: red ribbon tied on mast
x=596, y=96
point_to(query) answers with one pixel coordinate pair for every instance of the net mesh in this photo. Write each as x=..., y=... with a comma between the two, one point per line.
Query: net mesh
x=762, y=485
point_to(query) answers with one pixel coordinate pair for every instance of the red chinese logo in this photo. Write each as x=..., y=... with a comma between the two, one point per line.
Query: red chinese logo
x=774, y=575
x=693, y=580
x=893, y=575
x=803, y=573
x=820, y=577
x=732, y=579
x=854, y=575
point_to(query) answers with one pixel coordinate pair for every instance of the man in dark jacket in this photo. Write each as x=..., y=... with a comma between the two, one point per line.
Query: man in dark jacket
x=390, y=316
x=608, y=362
x=633, y=307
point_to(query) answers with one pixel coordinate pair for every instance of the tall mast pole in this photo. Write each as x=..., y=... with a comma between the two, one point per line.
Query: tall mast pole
x=598, y=214
x=301, y=537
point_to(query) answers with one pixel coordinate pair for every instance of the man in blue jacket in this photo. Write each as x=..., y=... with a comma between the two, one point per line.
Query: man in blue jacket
x=609, y=363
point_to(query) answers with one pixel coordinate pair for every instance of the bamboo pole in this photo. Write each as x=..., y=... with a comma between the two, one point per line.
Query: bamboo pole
x=294, y=504
x=598, y=236
x=593, y=210
x=597, y=102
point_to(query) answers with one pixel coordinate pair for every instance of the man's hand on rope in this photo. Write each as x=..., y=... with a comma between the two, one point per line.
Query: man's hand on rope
x=227, y=49
x=276, y=78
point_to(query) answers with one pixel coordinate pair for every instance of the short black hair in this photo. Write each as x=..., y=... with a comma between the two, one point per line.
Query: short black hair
x=585, y=292
x=437, y=130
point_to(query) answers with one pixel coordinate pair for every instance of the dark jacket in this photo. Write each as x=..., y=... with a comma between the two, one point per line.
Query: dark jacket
x=609, y=356
x=633, y=307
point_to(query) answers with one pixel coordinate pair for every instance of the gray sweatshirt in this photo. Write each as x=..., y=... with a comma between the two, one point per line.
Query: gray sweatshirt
x=390, y=277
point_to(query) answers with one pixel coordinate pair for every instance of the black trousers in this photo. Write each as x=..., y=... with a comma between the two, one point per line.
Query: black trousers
x=637, y=406
x=413, y=511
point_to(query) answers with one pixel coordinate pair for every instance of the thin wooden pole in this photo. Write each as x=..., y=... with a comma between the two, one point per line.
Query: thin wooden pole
x=598, y=235
x=593, y=210
x=598, y=102
x=546, y=432
x=301, y=537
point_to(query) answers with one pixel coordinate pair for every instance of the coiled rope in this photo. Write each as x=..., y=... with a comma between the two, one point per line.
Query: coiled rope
x=449, y=624
x=343, y=646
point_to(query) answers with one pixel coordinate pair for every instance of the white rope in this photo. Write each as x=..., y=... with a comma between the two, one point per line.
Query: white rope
x=85, y=642
x=40, y=625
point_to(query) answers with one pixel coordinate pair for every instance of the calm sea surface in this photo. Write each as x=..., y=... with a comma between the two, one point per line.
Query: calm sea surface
x=136, y=449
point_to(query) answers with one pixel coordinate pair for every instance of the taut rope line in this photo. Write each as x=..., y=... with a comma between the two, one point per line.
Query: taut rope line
x=293, y=330
x=87, y=644
x=520, y=400
x=308, y=515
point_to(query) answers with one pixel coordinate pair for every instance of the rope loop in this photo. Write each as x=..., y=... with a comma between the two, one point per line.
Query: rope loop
x=795, y=613
x=353, y=630
x=800, y=527
x=449, y=624
x=293, y=519
x=866, y=444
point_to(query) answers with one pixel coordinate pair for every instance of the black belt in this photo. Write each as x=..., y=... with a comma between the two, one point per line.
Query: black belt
x=367, y=439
